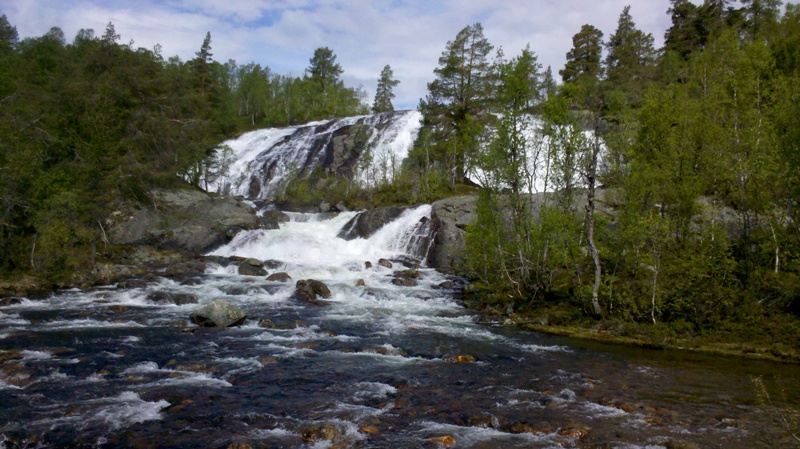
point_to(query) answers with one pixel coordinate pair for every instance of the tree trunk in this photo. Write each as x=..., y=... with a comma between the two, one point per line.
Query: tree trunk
x=590, y=207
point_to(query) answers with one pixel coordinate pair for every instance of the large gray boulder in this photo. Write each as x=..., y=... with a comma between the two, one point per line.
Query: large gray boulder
x=218, y=313
x=451, y=216
x=182, y=219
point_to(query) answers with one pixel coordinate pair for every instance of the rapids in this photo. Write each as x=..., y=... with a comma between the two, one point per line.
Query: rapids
x=380, y=366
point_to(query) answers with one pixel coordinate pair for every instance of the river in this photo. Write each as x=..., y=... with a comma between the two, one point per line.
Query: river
x=379, y=366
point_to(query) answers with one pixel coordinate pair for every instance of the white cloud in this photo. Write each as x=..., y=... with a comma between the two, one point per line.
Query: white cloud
x=365, y=35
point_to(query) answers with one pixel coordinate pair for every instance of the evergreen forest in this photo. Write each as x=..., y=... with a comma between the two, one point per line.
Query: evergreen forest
x=640, y=190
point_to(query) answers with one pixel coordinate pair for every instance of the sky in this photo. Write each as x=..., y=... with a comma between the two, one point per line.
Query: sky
x=365, y=35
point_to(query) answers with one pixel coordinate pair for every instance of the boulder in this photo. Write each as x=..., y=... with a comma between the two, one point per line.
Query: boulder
x=218, y=313
x=308, y=289
x=182, y=219
x=385, y=263
x=279, y=277
x=320, y=288
x=245, y=269
x=451, y=216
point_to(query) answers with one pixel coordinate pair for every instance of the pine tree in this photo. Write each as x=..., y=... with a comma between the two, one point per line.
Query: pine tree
x=323, y=69
x=631, y=57
x=583, y=60
x=456, y=106
x=384, y=94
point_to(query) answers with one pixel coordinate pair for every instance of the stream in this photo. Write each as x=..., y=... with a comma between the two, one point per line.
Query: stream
x=379, y=366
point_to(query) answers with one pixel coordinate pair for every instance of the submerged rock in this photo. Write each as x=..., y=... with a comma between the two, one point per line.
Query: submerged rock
x=218, y=313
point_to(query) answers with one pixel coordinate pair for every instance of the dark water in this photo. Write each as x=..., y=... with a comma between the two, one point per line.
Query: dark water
x=377, y=368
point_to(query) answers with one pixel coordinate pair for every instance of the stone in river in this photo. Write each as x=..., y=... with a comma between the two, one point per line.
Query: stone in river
x=218, y=313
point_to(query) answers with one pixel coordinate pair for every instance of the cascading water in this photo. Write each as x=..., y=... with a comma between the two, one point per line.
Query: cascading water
x=263, y=160
x=380, y=365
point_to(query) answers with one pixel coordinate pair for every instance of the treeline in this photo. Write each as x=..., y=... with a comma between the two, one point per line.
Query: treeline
x=89, y=123
x=673, y=172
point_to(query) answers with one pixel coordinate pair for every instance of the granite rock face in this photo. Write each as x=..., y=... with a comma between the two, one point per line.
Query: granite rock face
x=182, y=219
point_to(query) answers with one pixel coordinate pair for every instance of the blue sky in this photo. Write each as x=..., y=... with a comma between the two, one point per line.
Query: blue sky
x=409, y=35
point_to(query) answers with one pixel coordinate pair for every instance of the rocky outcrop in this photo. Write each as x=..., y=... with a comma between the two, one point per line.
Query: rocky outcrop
x=367, y=223
x=218, y=313
x=450, y=216
x=182, y=219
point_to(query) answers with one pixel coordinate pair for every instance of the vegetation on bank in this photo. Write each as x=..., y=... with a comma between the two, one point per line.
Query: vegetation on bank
x=674, y=171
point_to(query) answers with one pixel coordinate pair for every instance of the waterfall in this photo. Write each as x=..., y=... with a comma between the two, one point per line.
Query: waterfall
x=264, y=160
x=308, y=245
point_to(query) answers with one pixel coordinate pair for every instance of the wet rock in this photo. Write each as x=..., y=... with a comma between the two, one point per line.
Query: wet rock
x=446, y=285
x=577, y=433
x=369, y=430
x=385, y=263
x=268, y=359
x=460, y=359
x=16, y=375
x=319, y=432
x=183, y=269
x=181, y=299
x=266, y=323
x=408, y=262
x=407, y=274
x=159, y=297
x=279, y=277
x=245, y=269
x=6, y=356
x=308, y=289
x=192, y=281
x=320, y=288
x=272, y=264
x=132, y=283
x=218, y=313
x=118, y=308
x=446, y=441
x=361, y=283
x=403, y=282
x=367, y=265
x=239, y=446
x=253, y=262
x=10, y=301
x=365, y=224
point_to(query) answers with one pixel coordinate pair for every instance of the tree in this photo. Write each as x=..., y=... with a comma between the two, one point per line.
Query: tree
x=631, y=57
x=456, y=106
x=8, y=34
x=384, y=94
x=583, y=60
x=323, y=69
x=760, y=15
x=202, y=61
